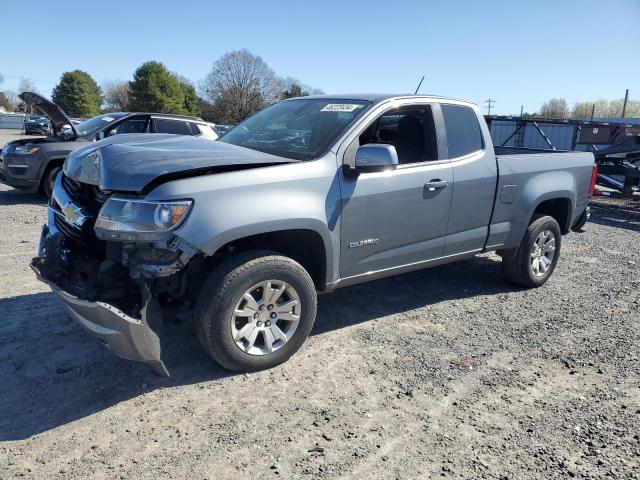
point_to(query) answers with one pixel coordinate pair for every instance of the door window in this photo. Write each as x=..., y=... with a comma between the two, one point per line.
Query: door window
x=168, y=125
x=411, y=130
x=132, y=125
x=463, y=130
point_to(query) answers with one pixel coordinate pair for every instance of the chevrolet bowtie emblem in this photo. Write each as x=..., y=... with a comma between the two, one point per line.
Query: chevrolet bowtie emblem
x=73, y=214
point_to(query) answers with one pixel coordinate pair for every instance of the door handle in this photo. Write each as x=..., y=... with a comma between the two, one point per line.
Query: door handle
x=435, y=184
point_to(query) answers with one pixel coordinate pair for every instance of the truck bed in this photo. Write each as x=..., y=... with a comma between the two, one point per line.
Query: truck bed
x=525, y=174
x=523, y=150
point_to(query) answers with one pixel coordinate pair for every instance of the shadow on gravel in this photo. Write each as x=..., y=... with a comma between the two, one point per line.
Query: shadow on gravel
x=616, y=213
x=16, y=197
x=53, y=373
x=479, y=276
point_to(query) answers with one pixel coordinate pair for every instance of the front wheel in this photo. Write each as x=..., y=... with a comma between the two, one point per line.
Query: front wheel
x=255, y=311
x=533, y=261
x=49, y=179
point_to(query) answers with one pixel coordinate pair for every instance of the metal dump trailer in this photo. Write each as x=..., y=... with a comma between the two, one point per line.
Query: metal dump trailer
x=615, y=145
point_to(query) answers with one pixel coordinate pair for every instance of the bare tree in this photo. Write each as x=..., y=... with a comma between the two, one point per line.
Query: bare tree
x=615, y=109
x=26, y=85
x=605, y=109
x=116, y=96
x=239, y=85
x=292, y=87
x=12, y=99
x=555, y=108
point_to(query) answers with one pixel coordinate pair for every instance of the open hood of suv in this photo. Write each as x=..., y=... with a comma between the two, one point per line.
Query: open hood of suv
x=137, y=162
x=54, y=112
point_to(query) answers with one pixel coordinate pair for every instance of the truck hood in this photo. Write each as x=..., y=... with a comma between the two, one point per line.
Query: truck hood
x=138, y=162
x=54, y=112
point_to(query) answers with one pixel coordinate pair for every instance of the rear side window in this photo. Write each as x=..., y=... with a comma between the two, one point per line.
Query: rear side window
x=463, y=130
x=132, y=125
x=177, y=127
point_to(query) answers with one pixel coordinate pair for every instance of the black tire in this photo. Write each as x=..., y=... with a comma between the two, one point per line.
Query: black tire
x=516, y=263
x=582, y=221
x=223, y=290
x=48, y=180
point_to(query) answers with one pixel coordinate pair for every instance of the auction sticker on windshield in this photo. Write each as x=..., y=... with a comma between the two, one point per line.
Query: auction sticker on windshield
x=340, y=107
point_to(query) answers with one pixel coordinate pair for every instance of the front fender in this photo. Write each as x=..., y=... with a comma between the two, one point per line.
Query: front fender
x=234, y=205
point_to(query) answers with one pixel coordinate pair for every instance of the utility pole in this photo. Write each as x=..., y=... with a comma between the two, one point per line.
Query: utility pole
x=521, y=108
x=593, y=110
x=489, y=102
x=624, y=105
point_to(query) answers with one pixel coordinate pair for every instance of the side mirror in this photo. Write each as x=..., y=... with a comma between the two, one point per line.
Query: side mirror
x=376, y=157
x=112, y=132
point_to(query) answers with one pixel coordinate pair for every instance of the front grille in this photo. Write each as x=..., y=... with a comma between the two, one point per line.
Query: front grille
x=85, y=195
x=89, y=198
x=68, y=230
x=71, y=186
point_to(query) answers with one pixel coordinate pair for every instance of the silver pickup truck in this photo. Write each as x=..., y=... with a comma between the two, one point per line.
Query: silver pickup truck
x=308, y=195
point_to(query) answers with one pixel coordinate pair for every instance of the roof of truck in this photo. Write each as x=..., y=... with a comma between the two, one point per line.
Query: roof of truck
x=379, y=97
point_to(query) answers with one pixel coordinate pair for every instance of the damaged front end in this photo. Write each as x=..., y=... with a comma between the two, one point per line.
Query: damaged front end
x=114, y=285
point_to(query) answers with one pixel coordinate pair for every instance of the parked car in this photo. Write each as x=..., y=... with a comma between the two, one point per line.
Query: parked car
x=32, y=164
x=222, y=129
x=37, y=125
x=66, y=129
x=310, y=194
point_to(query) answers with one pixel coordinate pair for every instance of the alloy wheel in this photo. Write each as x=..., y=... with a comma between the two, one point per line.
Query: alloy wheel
x=543, y=253
x=266, y=317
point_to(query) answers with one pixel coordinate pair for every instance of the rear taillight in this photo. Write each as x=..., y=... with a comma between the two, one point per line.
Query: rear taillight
x=594, y=178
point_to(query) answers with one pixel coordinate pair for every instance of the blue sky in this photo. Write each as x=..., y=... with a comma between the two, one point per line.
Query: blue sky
x=516, y=52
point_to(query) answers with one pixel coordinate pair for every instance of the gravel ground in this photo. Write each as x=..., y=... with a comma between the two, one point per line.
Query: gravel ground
x=447, y=372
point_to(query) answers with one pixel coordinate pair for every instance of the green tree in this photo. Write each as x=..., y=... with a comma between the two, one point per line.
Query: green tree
x=78, y=94
x=191, y=104
x=156, y=89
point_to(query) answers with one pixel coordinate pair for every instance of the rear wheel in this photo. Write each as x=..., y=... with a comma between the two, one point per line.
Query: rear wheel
x=533, y=261
x=49, y=179
x=255, y=311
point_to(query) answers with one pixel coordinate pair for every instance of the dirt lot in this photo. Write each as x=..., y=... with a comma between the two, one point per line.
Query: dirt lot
x=447, y=372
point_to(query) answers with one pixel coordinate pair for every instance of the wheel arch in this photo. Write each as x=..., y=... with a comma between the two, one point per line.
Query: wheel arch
x=559, y=208
x=303, y=241
x=47, y=166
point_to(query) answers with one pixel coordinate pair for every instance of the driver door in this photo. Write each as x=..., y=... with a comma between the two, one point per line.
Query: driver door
x=397, y=218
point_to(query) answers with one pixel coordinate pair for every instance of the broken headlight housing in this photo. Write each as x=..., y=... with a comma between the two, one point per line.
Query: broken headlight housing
x=136, y=220
x=84, y=166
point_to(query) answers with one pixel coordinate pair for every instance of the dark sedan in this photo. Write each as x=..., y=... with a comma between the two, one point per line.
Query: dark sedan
x=37, y=125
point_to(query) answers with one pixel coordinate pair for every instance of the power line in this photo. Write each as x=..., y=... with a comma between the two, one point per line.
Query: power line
x=489, y=102
x=20, y=77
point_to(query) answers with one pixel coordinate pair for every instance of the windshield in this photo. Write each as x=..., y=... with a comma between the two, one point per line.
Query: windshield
x=300, y=129
x=91, y=126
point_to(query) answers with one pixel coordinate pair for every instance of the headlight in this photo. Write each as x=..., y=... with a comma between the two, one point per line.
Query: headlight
x=26, y=149
x=139, y=220
x=90, y=170
x=84, y=166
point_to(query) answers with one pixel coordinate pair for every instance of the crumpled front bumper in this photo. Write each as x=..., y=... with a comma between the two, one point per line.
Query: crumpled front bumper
x=128, y=337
